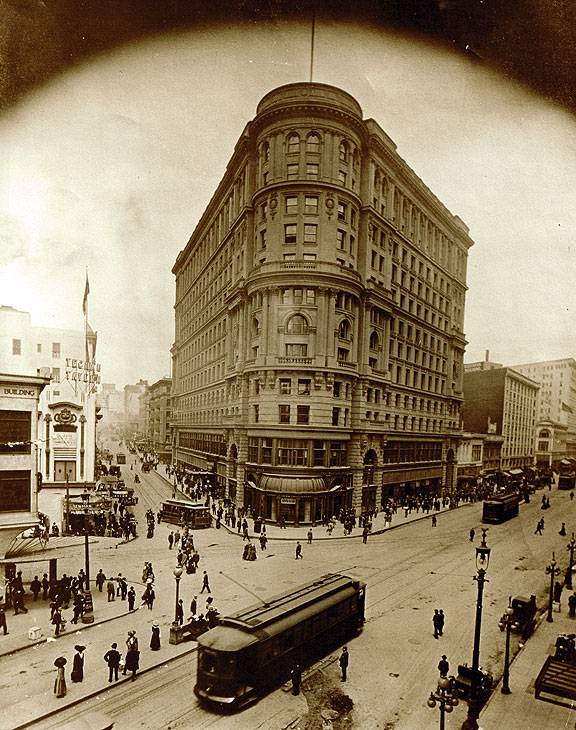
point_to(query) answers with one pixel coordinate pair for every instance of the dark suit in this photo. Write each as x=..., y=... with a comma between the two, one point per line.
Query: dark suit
x=112, y=658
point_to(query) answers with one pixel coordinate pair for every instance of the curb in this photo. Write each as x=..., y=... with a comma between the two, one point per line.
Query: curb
x=94, y=693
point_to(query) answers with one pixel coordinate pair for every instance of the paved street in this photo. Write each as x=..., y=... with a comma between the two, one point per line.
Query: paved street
x=410, y=571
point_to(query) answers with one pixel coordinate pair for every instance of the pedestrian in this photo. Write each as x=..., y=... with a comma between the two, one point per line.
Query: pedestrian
x=111, y=590
x=365, y=533
x=112, y=658
x=100, y=579
x=571, y=496
x=539, y=526
x=572, y=605
x=472, y=533
x=562, y=530
x=441, y=619
x=443, y=666
x=3, y=624
x=299, y=551
x=78, y=664
x=194, y=606
x=35, y=587
x=170, y=540
x=179, y=612
x=131, y=596
x=343, y=661
x=205, y=583
x=45, y=586
x=155, y=638
x=263, y=541
x=78, y=608
x=123, y=588
x=558, y=592
x=310, y=536
x=434, y=521
x=296, y=675
x=132, y=655
x=57, y=620
x=60, y=682
x=435, y=622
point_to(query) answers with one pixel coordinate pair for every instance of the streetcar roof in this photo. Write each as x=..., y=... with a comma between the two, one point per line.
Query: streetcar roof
x=226, y=638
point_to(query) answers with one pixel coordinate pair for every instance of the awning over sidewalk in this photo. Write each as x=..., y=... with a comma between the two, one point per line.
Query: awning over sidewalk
x=516, y=472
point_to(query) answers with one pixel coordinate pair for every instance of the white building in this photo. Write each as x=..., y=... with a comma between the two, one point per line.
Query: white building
x=67, y=408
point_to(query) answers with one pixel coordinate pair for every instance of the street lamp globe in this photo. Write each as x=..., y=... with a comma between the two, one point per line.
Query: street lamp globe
x=178, y=572
x=431, y=701
x=482, y=557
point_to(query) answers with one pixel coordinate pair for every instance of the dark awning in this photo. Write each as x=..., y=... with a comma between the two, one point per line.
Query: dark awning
x=292, y=485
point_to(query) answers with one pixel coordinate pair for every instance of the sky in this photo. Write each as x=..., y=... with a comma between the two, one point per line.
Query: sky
x=108, y=168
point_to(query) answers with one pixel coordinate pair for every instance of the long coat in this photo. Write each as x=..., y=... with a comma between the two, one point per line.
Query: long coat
x=155, y=638
x=77, y=668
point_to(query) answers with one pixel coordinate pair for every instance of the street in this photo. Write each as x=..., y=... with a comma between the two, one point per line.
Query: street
x=410, y=571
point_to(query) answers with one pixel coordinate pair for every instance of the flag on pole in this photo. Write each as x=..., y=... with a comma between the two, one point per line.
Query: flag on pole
x=85, y=300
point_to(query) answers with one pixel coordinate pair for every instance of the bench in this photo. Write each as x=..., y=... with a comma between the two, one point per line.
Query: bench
x=558, y=679
x=187, y=632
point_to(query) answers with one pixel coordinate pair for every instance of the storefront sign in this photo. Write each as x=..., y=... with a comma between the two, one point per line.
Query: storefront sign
x=287, y=500
x=82, y=371
x=20, y=392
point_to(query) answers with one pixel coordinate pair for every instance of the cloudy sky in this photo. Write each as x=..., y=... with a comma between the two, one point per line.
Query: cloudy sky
x=108, y=167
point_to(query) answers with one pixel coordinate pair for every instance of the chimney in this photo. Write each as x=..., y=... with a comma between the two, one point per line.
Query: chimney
x=487, y=356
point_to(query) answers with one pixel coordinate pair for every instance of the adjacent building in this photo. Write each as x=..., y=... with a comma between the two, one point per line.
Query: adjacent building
x=66, y=429
x=158, y=404
x=555, y=434
x=317, y=361
x=502, y=401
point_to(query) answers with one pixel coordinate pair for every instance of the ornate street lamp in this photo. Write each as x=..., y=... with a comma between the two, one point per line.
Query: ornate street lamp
x=444, y=697
x=552, y=570
x=88, y=614
x=571, y=545
x=482, y=561
x=507, y=622
x=177, y=575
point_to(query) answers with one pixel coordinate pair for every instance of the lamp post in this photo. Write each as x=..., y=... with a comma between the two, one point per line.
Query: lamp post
x=177, y=575
x=482, y=561
x=506, y=623
x=88, y=614
x=571, y=545
x=552, y=570
x=444, y=697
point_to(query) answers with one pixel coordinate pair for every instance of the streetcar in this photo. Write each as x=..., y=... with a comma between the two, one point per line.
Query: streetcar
x=120, y=458
x=181, y=512
x=254, y=650
x=500, y=508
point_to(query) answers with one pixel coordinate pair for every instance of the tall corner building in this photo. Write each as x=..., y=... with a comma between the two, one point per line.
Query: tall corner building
x=318, y=355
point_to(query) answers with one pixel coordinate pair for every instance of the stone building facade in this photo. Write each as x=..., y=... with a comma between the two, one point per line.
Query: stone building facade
x=317, y=361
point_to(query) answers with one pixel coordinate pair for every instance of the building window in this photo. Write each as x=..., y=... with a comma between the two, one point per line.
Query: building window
x=476, y=452
x=15, y=429
x=309, y=257
x=15, y=490
x=293, y=452
x=289, y=257
x=292, y=171
x=337, y=453
x=38, y=347
x=336, y=416
x=319, y=453
x=285, y=386
x=64, y=470
x=55, y=375
x=343, y=354
x=293, y=144
x=303, y=387
x=342, y=211
x=263, y=239
x=340, y=239
x=266, y=451
x=291, y=205
x=343, y=151
x=336, y=388
x=310, y=296
x=284, y=413
x=256, y=413
x=16, y=347
x=297, y=325
x=344, y=330
x=342, y=177
x=296, y=350
x=311, y=204
x=56, y=349
x=302, y=414
x=290, y=233
x=312, y=171
x=313, y=143
x=265, y=178
x=310, y=233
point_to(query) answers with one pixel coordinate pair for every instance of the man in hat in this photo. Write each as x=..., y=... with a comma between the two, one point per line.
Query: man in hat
x=180, y=612
x=131, y=595
x=3, y=624
x=443, y=666
x=343, y=661
x=112, y=658
x=78, y=664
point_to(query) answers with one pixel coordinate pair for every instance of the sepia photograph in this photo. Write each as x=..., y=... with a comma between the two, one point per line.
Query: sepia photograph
x=287, y=365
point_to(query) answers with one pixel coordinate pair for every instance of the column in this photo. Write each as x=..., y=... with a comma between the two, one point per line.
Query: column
x=331, y=322
x=265, y=325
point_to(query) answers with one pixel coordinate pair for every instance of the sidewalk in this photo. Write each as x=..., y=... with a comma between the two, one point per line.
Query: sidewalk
x=520, y=710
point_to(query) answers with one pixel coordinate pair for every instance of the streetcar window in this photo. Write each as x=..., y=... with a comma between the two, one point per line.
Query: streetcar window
x=208, y=662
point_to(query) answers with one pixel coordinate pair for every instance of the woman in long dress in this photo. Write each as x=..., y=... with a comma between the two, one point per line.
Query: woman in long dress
x=60, y=682
x=78, y=664
x=132, y=655
x=155, y=638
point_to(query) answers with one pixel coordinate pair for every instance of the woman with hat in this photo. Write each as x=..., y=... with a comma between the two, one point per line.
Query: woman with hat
x=132, y=654
x=60, y=682
x=78, y=665
x=155, y=638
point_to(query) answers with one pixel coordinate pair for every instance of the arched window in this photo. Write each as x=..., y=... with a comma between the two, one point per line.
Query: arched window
x=265, y=152
x=255, y=327
x=313, y=143
x=343, y=151
x=374, y=341
x=355, y=158
x=344, y=329
x=293, y=143
x=545, y=434
x=296, y=325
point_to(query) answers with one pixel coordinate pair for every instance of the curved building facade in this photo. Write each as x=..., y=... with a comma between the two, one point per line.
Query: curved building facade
x=317, y=362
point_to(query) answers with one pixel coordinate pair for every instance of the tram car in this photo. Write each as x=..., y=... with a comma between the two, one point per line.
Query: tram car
x=182, y=512
x=500, y=508
x=253, y=651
